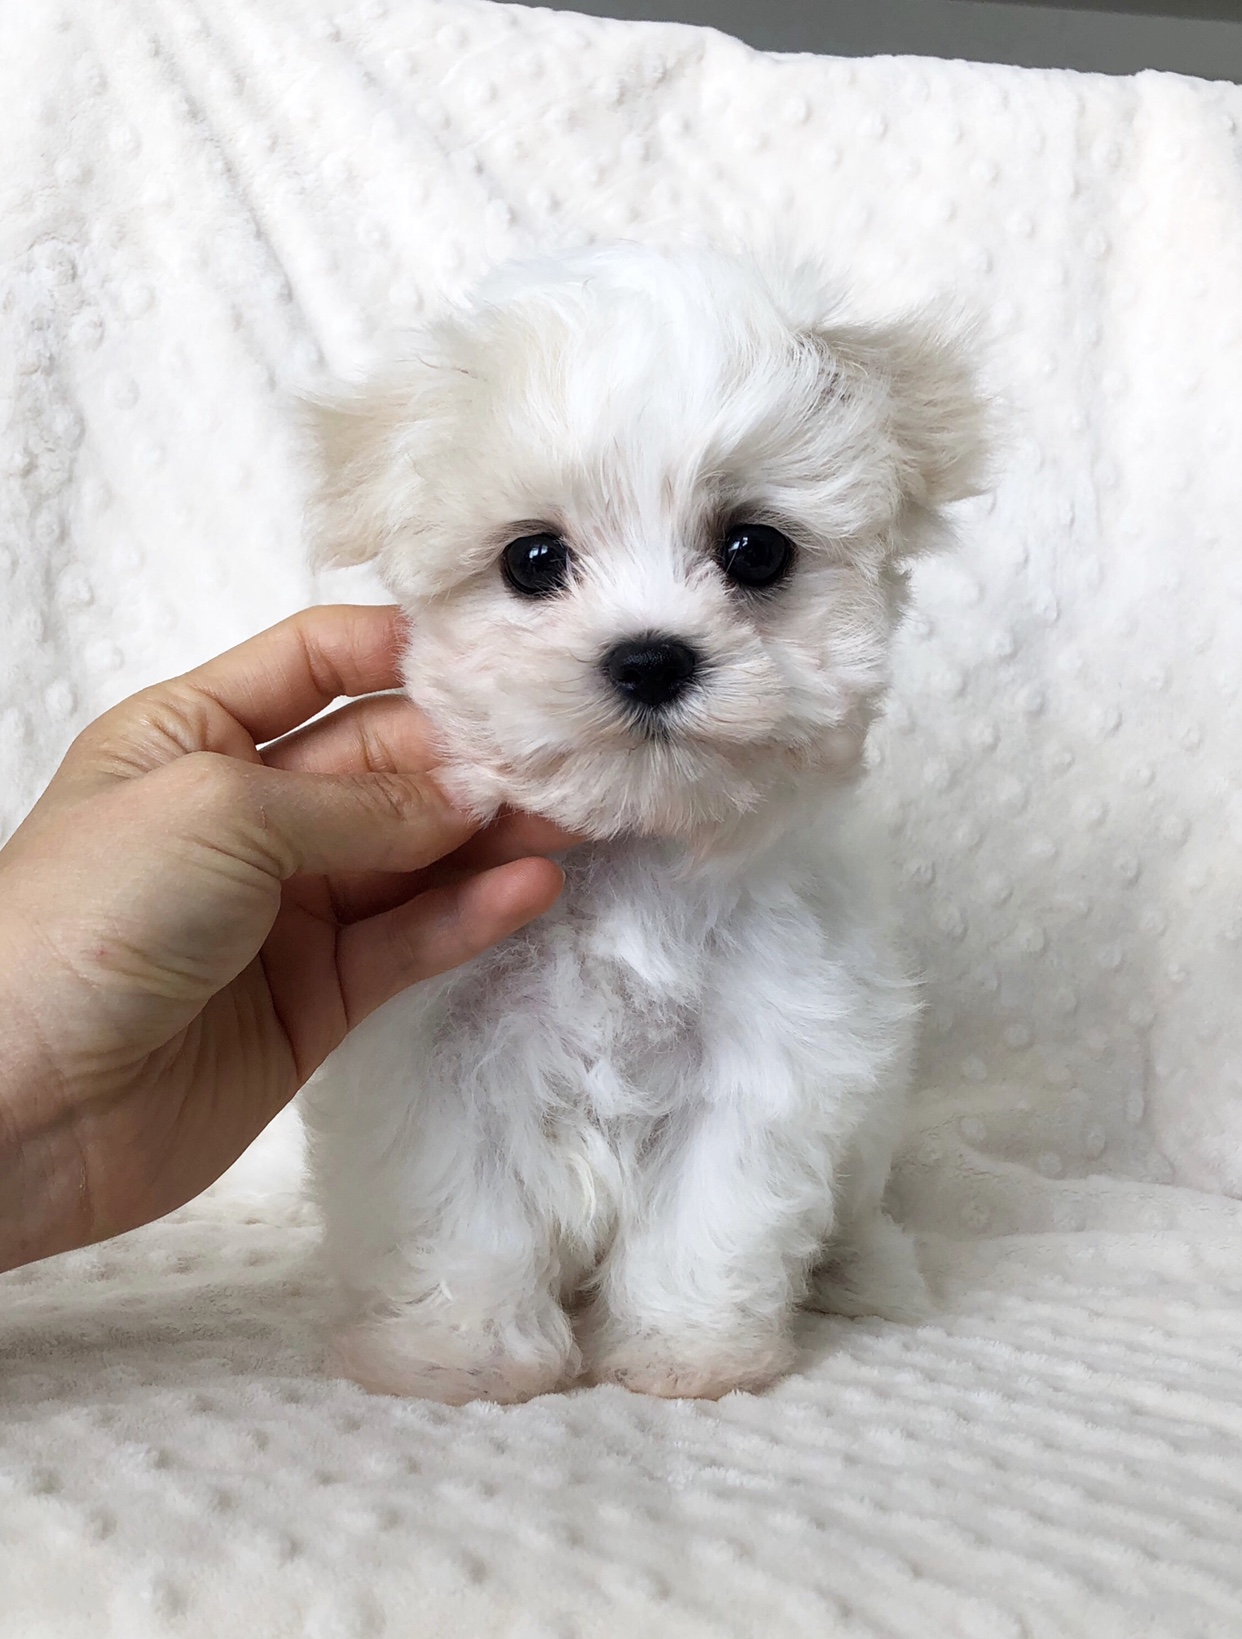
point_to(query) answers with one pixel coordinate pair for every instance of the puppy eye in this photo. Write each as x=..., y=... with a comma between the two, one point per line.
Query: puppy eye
x=755, y=555
x=536, y=565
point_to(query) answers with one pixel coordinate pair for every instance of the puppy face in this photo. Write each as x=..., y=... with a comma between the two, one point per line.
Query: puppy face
x=647, y=514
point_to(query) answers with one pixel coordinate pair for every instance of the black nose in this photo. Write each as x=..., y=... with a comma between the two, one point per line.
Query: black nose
x=650, y=671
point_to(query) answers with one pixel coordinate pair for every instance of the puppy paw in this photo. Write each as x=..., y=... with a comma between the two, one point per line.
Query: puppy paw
x=389, y=1357
x=675, y=1369
x=874, y=1272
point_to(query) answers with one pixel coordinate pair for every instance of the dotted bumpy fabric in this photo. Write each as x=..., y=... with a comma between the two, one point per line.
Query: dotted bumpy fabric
x=204, y=209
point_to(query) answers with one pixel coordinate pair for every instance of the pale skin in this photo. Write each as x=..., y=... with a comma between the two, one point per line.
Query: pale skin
x=209, y=895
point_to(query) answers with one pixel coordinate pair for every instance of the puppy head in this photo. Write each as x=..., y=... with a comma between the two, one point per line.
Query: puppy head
x=647, y=514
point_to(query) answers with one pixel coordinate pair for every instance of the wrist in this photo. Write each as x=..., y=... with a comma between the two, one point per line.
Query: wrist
x=44, y=1200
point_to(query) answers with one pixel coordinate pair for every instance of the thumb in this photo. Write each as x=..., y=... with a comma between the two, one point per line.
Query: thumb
x=283, y=823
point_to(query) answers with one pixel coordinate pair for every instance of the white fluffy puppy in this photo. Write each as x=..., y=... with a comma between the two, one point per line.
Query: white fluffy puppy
x=647, y=514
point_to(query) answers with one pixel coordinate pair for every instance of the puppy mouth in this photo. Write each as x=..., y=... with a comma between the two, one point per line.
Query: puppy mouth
x=692, y=723
x=656, y=725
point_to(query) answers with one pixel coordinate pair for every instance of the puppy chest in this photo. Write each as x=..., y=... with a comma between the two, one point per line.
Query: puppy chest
x=577, y=1028
x=593, y=1010
x=630, y=999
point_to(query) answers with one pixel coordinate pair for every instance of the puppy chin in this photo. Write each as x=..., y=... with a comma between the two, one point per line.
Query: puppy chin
x=602, y=796
x=711, y=802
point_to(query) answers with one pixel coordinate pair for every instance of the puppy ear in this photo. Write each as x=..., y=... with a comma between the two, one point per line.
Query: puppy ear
x=366, y=475
x=937, y=417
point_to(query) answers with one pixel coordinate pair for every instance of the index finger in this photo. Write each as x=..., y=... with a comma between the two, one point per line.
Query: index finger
x=275, y=681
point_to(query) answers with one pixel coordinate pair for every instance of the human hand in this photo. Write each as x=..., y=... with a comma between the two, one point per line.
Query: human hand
x=189, y=925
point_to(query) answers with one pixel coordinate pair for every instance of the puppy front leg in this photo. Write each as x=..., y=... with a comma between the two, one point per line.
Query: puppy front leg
x=433, y=1342
x=709, y=1262
x=468, y=1311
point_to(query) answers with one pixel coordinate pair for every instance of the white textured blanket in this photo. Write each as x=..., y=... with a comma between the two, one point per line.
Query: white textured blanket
x=202, y=207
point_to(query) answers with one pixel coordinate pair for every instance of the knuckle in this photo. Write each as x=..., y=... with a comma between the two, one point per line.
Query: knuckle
x=223, y=806
x=209, y=781
x=307, y=630
x=154, y=727
x=376, y=758
x=401, y=798
x=109, y=738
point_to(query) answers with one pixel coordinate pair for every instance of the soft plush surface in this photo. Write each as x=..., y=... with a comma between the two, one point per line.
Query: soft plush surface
x=204, y=208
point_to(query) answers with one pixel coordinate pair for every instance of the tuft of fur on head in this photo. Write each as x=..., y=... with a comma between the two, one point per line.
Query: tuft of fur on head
x=637, y=403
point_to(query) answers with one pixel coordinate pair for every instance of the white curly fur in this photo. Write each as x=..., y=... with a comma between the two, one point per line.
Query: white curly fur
x=628, y=1142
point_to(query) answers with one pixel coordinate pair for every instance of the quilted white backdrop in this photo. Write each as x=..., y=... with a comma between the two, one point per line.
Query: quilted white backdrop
x=203, y=208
